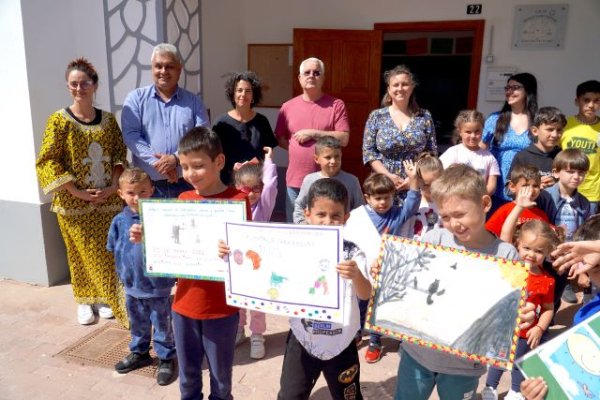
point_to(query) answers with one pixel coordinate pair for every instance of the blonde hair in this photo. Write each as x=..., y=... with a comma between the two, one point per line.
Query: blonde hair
x=134, y=175
x=459, y=180
x=427, y=162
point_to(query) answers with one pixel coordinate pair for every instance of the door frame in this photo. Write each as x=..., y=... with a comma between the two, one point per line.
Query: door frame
x=477, y=26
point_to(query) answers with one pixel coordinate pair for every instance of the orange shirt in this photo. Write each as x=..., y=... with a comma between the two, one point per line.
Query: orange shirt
x=206, y=299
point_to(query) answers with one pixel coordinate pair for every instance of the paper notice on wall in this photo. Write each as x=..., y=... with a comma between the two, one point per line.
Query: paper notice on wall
x=495, y=82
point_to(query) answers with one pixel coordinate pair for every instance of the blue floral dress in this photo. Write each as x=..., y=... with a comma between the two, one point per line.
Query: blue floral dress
x=504, y=152
x=383, y=140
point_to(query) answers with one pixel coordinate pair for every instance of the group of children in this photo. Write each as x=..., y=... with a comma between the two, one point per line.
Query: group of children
x=446, y=204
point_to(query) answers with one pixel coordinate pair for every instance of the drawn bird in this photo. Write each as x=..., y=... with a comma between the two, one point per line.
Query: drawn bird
x=434, y=289
x=453, y=266
x=415, y=282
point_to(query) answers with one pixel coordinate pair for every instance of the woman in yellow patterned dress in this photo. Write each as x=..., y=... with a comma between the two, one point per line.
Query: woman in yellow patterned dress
x=80, y=161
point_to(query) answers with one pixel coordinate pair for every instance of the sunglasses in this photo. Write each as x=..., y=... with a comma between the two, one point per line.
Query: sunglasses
x=314, y=72
x=253, y=189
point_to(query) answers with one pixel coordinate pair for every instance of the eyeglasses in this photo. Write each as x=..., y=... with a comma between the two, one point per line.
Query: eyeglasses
x=83, y=84
x=512, y=88
x=253, y=189
x=315, y=72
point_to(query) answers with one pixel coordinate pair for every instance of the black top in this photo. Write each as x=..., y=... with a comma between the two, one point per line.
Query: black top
x=536, y=157
x=242, y=141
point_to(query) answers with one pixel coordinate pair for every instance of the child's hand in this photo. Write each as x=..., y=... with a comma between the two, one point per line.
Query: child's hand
x=524, y=198
x=135, y=233
x=348, y=269
x=268, y=152
x=534, y=388
x=527, y=315
x=547, y=181
x=534, y=336
x=411, y=170
x=375, y=268
x=223, y=250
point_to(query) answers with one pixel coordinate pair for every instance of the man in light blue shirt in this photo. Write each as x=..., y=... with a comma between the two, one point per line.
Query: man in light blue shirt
x=155, y=117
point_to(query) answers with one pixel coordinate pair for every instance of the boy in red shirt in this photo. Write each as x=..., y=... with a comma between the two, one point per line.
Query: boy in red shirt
x=203, y=323
x=522, y=176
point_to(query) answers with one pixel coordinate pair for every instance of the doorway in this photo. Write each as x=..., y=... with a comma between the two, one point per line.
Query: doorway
x=445, y=57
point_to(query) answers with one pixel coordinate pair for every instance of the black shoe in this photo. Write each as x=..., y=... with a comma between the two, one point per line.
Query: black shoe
x=133, y=361
x=165, y=372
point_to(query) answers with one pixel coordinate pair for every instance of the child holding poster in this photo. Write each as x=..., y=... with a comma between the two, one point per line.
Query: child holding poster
x=259, y=181
x=203, y=323
x=461, y=195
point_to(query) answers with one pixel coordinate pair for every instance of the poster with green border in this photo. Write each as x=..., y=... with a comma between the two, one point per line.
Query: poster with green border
x=180, y=237
x=569, y=363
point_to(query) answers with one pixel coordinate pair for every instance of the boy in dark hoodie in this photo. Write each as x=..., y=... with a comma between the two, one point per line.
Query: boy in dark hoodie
x=547, y=128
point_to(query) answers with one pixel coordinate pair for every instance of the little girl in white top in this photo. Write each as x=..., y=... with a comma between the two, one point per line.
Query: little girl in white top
x=259, y=181
x=468, y=127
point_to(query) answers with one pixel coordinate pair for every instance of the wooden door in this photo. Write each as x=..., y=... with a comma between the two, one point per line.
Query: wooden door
x=352, y=61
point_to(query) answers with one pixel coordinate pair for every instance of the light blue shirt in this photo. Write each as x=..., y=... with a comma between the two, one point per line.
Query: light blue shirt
x=152, y=126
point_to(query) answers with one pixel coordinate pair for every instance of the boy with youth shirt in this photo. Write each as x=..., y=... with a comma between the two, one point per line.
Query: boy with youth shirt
x=328, y=155
x=148, y=299
x=583, y=132
x=546, y=131
x=203, y=323
x=463, y=202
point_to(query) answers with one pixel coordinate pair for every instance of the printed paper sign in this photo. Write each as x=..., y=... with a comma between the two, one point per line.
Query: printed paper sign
x=181, y=237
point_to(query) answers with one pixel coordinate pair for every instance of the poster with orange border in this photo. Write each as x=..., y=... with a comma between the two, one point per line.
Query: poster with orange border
x=454, y=301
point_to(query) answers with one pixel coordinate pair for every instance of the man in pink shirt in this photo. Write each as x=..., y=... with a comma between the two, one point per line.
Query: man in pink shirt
x=302, y=120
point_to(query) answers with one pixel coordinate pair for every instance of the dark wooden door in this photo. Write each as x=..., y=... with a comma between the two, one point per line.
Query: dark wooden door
x=352, y=61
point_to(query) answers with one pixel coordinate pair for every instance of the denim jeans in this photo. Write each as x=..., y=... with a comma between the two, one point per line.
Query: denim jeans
x=290, y=201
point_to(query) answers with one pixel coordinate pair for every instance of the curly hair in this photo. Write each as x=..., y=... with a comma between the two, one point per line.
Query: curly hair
x=232, y=80
x=413, y=107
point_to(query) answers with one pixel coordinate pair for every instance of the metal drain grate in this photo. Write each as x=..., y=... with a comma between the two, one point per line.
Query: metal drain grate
x=105, y=347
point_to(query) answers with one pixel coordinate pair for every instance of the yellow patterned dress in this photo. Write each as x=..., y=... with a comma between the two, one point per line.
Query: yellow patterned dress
x=86, y=154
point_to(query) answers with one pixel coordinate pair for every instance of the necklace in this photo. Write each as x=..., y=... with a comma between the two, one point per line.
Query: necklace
x=584, y=122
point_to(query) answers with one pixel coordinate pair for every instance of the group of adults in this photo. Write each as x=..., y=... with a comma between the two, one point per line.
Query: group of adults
x=84, y=151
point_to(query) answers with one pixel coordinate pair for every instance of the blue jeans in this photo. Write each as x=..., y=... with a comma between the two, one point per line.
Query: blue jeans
x=144, y=314
x=213, y=338
x=594, y=207
x=416, y=382
x=165, y=190
x=290, y=201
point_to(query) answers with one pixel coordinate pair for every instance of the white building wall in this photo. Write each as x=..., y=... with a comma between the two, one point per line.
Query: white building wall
x=272, y=21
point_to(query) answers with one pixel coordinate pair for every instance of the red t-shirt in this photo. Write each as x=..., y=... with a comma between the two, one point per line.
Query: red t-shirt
x=494, y=224
x=540, y=290
x=206, y=299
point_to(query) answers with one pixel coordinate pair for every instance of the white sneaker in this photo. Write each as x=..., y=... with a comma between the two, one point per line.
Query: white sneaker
x=257, y=347
x=85, y=314
x=512, y=395
x=489, y=393
x=105, y=311
x=240, y=336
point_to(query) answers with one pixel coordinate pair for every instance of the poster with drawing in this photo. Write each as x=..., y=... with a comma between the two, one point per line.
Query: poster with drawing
x=181, y=237
x=449, y=300
x=286, y=269
x=569, y=363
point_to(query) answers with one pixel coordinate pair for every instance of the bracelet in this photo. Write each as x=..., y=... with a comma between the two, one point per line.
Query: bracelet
x=176, y=160
x=537, y=326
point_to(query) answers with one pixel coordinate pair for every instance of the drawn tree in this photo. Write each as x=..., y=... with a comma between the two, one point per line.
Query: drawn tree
x=399, y=268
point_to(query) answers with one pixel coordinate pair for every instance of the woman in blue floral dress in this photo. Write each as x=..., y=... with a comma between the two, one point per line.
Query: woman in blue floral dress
x=506, y=132
x=399, y=131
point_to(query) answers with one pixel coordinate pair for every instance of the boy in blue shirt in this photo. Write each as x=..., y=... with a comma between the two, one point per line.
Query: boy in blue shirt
x=147, y=299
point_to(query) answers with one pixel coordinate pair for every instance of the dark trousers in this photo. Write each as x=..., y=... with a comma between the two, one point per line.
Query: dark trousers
x=301, y=370
x=144, y=314
x=213, y=338
x=494, y=374
x=363, y=305
x=166, y=190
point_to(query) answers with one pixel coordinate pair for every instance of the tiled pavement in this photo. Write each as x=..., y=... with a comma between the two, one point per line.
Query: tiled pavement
x=37, y=322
